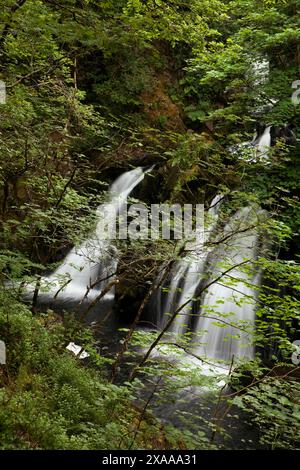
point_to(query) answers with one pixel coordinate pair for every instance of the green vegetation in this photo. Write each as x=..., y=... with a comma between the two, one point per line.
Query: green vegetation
x=49, y=400
x=95, y=88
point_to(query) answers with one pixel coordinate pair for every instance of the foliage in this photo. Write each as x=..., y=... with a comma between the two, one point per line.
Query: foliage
x=49, y=400
x=94, y=87
x=274, y=405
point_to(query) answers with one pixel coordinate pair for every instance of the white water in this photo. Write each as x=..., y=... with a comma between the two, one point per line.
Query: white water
x=90, y=267
x=256, y=150
x=191, y=269
x=226, y=318
x=261, y=71
x=262, y=143
x=187, y=273
x=96, y=260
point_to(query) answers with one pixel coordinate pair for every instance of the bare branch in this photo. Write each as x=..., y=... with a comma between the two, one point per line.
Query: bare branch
x=174, y=315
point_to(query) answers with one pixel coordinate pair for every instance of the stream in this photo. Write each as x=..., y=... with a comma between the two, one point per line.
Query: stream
x=219, y=321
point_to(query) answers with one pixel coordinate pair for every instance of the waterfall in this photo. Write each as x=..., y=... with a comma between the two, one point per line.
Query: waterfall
x=256, y=150
x=89, y=268
x=186, y=276
x=225, y=318
x=261, y=70
x=227, y=314
x=262, y=143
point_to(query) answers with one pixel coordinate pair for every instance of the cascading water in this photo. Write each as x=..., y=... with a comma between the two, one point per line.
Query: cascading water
x=227, y=314
x=186, y=275
x=89, y=268
x=262, y=143
x=261, y=70
x=257, y=150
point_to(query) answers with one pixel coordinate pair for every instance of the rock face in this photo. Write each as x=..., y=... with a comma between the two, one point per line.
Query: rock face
x=160, y=108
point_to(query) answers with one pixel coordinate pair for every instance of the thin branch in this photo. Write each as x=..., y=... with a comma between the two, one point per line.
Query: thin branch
x=61, y=288
x=30, y=74
x=215, y=417
x=174, y=315
x=99, y=297
x=124, y=348
x=7, y=26
x=256, y=382
x=144, y=411
x=36, y=293
x=190, y=353
x=66, y=187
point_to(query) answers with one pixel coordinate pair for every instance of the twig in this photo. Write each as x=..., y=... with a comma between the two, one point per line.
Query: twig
x=36, y=293
x=144, y=411
x=99, y=297
x=135, y=322
x=174, y=315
